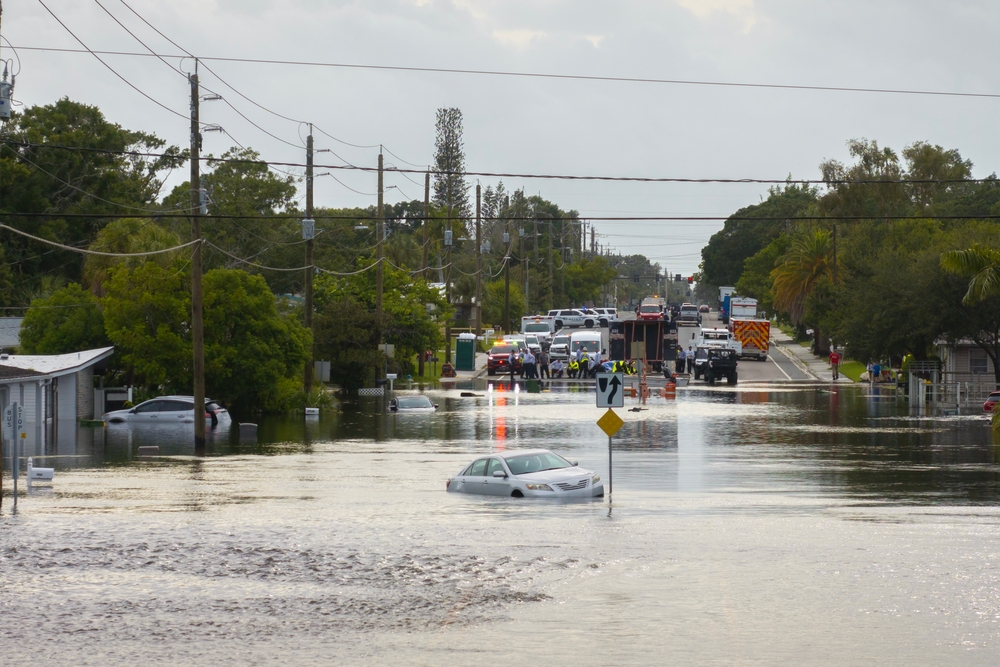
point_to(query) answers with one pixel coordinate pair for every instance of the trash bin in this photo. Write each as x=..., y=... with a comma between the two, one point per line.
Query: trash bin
x=465, y=352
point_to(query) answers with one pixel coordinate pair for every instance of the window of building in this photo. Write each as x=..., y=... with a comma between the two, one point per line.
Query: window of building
x=978, y=361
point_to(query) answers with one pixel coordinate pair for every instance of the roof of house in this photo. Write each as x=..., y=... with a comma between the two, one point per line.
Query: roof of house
x=10, y=331
x=58, y=364
x=11, y=373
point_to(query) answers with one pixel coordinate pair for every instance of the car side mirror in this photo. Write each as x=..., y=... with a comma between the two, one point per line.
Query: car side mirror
x=575, y=463
x=499, y=473
x=132, y=411
x=435, y=406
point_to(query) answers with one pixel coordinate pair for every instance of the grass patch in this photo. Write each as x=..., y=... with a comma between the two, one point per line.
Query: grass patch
x=853, y=369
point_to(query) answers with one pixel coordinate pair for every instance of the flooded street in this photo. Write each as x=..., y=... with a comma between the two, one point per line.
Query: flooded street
x=770, y=524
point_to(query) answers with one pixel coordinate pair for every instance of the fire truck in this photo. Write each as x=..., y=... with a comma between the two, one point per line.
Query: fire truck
x=754, y=335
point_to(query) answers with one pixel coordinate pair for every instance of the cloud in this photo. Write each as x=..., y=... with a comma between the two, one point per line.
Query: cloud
x=704, y=9
x=517, y=38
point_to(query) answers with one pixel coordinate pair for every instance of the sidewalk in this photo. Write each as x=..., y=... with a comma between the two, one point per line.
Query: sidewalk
x=808, y=363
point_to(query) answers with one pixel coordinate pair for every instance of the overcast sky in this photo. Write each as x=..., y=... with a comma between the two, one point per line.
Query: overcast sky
x=549, y=126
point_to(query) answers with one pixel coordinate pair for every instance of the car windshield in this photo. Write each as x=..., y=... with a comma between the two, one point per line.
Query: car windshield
x=531, y=340
x=649, y=309
x=560, y=340
x=701, y=354
x=587, y=345
x=527, y=463
x=536, y=328
x=502, y=349
x=414, y=402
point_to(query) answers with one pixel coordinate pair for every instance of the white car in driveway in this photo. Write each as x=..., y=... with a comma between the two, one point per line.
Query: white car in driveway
x=531, y=473
x=166, y=409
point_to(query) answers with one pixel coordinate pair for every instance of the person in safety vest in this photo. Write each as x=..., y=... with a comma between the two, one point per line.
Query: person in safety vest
x=574, y=369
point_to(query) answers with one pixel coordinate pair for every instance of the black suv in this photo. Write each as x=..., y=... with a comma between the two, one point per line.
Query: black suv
x=721, y=363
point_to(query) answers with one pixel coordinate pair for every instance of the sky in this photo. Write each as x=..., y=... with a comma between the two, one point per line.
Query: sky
x=543, y=126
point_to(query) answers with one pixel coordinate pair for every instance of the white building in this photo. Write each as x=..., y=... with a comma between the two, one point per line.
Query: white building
x=55, y=391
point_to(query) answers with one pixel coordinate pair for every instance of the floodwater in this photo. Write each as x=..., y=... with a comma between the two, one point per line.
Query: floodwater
x=757, y=525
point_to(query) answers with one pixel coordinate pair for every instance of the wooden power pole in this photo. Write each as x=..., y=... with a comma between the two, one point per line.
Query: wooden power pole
x=479, y=261
x=197, y=311
x=379, y=250
x=309, y=231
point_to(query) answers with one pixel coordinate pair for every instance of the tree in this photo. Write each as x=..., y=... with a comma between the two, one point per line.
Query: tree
x=451, y=192
x=981, y=265
x=586, y=278
x=750, y=229
x=253, y=356
x=127, y=235
x=493, y=300
x=756, y=280
x=347, y=334
x=146, y=315
x=107, y=172
x=70, y=320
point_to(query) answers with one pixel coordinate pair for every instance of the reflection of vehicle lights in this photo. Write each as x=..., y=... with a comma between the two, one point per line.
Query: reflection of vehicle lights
x=501, y=428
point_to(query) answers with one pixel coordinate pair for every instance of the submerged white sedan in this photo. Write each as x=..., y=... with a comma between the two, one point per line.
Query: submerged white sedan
x=532, y=473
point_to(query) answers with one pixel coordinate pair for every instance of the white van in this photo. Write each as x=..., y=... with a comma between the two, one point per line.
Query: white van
x=559, y=349
x=539, y=325
x=589, y=341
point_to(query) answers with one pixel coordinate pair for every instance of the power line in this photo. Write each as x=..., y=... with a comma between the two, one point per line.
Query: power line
x=110, y=68
x=565, y=177
x=84, y=251
x=550, y=75
x=662, y=218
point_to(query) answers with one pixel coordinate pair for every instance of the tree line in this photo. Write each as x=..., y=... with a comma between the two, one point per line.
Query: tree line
x=894, y=252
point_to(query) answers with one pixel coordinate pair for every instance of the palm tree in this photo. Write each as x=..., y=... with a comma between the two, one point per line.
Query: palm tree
x=809, y=259
x=981, y=264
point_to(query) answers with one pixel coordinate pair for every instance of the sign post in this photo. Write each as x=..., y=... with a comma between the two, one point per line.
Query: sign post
x=13, y=432
x=610, y=395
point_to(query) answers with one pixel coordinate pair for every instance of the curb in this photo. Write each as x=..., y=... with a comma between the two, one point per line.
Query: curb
x=797, y=362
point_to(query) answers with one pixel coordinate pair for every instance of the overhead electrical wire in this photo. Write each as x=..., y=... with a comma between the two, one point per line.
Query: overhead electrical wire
x=550, y=75
x=84, y=251
x=109, y=67
x=570, y=177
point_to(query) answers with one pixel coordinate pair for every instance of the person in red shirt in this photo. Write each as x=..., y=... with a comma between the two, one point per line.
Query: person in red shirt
x=835, y=363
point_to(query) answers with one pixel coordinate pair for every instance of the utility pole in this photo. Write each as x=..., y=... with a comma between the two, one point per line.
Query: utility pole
x=552, y=260
x=448, y=240
x=379, y=223
x=197, y=312
x=593, y=244
x=479, y=261
x=427, y=225
x=507, y=260
x=524, y=260
x=309, y=232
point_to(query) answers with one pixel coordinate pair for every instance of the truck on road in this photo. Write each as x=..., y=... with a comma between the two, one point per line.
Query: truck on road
x=742, y=306
x=687, y=335
x=753, y=335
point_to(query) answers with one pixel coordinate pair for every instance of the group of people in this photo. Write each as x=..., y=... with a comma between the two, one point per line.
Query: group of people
x=684, y=362
x=533, y=366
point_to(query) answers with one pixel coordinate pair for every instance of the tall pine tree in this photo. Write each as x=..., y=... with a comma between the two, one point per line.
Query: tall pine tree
x=450, y=189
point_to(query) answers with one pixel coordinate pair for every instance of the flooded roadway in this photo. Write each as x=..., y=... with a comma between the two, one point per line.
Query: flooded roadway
x=762, y=525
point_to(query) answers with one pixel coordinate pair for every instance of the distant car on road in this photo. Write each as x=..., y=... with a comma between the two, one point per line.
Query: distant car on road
x=572, y=318
x=703, y=308
x=408, y=404
x=166, y=409
x=991, y=402
x=532, y=473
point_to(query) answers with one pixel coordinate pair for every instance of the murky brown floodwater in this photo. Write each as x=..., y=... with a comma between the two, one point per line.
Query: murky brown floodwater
x=775, y=525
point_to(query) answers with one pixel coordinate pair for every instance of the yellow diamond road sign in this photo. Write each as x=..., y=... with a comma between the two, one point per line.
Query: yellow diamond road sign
x=610, y=423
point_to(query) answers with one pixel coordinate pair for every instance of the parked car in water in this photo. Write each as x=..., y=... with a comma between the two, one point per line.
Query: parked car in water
x=408, y=404
x=533, y=473
x=991, y=402
x=498, y=359
x=175, y=409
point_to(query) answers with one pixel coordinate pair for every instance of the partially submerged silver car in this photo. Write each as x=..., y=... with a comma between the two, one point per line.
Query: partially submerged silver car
x=531, y=473
x=166, y=409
